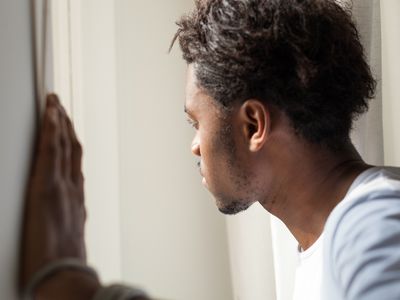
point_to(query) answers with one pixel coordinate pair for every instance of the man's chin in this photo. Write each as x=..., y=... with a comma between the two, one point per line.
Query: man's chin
x=233, y=207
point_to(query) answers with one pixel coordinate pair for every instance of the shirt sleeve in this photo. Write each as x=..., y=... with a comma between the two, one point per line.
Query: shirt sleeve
x=366, y=250
x=120, y=292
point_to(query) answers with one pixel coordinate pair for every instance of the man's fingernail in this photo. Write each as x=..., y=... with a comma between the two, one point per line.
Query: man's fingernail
x=53, y=114
x=52, y=99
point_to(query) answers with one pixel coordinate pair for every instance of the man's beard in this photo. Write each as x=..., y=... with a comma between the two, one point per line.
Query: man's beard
x=230, y=205
x=234, y=207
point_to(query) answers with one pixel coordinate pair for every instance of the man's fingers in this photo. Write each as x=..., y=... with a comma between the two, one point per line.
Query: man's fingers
x=59, y=144
x=49, y=139
x=76, y=154
x=60, y=151
x=65, y=143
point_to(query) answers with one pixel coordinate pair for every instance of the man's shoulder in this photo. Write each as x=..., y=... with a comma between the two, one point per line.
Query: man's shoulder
x=373, y=198
x=374, y=183
x=362, y=237
x=373, y=189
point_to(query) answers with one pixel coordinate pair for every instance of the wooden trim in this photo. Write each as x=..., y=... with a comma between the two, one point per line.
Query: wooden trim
x=75, y=51
x=61, y=55
x=66, y=28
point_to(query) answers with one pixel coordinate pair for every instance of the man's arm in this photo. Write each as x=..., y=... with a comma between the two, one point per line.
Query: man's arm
x=54, y=217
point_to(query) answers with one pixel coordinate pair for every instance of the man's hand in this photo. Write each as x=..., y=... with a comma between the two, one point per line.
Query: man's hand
x=55, y=214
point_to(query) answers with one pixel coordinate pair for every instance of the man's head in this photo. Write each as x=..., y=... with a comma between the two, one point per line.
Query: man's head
x=251, y=60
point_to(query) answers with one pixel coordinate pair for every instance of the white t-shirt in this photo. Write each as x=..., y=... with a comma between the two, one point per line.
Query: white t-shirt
x=308, y=273
x=358, y=254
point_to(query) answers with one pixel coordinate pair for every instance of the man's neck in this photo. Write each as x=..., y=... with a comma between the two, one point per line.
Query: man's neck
x=314, y=183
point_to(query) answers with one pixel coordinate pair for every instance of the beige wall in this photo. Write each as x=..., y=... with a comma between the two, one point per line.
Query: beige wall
x=173, y=239
x=390, y=12
x=99, y=133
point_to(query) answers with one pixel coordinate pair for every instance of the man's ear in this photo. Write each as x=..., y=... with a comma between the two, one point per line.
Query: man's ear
x=255, y=119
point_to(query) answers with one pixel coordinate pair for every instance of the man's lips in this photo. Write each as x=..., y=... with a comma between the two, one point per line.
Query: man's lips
x=200, y=171
x=204, y=181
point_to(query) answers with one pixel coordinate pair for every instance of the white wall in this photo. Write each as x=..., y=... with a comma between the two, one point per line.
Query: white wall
x=367, y=135
x=251, y=255
x=390, y=12
x=99, y=110
x=173, y=239
x=17, y=124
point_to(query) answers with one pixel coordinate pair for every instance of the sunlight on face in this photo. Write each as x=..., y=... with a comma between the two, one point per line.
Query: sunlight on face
x=223, y=174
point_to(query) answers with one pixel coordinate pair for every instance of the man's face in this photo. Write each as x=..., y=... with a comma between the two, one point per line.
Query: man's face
x=222, y=163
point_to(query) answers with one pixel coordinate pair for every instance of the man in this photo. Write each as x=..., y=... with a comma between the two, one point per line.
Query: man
x=273, y=88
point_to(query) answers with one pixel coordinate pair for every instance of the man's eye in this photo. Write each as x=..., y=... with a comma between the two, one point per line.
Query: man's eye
x=194, y=124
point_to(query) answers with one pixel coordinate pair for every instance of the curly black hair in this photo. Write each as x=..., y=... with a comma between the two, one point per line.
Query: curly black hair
x=303, y=56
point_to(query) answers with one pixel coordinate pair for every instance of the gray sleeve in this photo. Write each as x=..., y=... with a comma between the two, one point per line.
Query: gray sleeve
x=119, y=292
x=366, y=251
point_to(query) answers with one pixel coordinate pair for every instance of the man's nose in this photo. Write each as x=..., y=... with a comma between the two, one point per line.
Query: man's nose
x=195, y=147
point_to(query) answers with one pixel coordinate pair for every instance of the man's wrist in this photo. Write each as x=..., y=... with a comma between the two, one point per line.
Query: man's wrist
x=67, y=285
